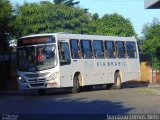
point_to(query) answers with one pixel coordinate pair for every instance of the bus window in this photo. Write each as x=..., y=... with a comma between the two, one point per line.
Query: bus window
x=98, y=48
x=64, y=53
x=86, y=49
x=110, y=49
x=131, y=49
x=120, y=49
x=75, y=49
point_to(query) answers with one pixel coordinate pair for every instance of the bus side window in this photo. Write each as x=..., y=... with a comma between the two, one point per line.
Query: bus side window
x=75, y=48
x=121, y=52
x=98, y=48
x=64, y=53
x=110, y=49
x=87, y=49
x=131, y=49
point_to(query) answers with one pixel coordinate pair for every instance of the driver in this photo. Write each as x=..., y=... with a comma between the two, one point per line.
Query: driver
x=40, y=56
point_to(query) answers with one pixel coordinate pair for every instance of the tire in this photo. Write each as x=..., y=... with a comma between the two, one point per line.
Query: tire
x=41, y=92
x=75, y=88
x=117, y=81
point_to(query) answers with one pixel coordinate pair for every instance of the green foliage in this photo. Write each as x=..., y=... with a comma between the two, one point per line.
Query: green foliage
x=5, y=19
x=5, y=13
x=114, y=24
x=152, y=30
x=43, y=18
x=151, y=40
x=66, y=2
x=95, y=16
x=58, y=1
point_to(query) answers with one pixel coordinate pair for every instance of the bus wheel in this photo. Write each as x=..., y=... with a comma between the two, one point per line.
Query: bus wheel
x=117, y=81
x=41, y=91
x=75, y=88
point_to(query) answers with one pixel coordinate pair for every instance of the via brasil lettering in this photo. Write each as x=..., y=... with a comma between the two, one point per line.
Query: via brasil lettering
x=109, y=64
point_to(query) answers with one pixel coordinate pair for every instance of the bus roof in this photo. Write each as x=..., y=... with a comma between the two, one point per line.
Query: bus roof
x=63, y=35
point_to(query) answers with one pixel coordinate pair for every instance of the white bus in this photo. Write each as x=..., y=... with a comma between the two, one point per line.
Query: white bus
x=62, y=60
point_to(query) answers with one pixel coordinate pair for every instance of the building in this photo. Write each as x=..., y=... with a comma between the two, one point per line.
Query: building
x=152, y=4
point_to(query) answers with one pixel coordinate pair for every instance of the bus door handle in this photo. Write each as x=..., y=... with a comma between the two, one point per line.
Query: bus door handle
x=75, y=60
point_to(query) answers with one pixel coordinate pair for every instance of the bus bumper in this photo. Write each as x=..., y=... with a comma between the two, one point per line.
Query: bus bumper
x=40, y=85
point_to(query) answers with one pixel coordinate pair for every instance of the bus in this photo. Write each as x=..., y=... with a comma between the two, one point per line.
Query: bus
x=75, y=61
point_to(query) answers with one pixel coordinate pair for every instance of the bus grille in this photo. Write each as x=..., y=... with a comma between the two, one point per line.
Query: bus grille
x=37, y=80
x=36, y=75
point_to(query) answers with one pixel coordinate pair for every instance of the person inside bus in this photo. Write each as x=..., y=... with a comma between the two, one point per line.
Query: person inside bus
x=79, y=50
x=104, y=54
x=40, y=56
x=76, y=53
x=79, y=53
x=61, y=51
x=114, y=53
x=64, y=53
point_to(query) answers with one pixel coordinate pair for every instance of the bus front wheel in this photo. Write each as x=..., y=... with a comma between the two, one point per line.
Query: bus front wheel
x=117, y=81
x=75, y=88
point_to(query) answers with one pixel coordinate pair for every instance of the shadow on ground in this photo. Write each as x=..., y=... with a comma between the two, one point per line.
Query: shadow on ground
x=135, y=84
x=52, y=92
x=61, y=107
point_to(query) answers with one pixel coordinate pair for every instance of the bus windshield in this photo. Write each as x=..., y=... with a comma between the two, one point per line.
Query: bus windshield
x=36, y=58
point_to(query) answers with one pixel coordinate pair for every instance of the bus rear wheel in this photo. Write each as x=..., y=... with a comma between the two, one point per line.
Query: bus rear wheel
x=75, y=88
x=117, y=81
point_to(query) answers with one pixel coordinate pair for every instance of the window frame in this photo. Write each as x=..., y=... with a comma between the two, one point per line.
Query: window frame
x=102, y=49
x=119, y=50
x=113, y=50
x=78, y=49
x=60, y=54
x=135, y=50
x=82, y=49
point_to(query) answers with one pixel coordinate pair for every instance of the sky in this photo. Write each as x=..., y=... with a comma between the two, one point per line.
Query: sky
x=131, y=9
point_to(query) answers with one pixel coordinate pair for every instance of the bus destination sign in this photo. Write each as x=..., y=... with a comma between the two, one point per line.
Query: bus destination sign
x=36, y=40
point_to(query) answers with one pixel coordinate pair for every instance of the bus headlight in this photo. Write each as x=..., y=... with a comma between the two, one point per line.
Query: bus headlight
x=21, y=79
x=53, y=76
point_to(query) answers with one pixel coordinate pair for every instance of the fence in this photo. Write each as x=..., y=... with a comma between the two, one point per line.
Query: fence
x=147, y=72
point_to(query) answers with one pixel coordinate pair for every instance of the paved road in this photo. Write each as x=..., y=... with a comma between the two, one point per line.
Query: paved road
x=123, y=101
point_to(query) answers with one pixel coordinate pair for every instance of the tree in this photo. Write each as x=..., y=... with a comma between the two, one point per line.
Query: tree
x=66, y=2
x=95, y=16
x=151, y=40
x=114, y=24
x=5, y=19
x=48, y=17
